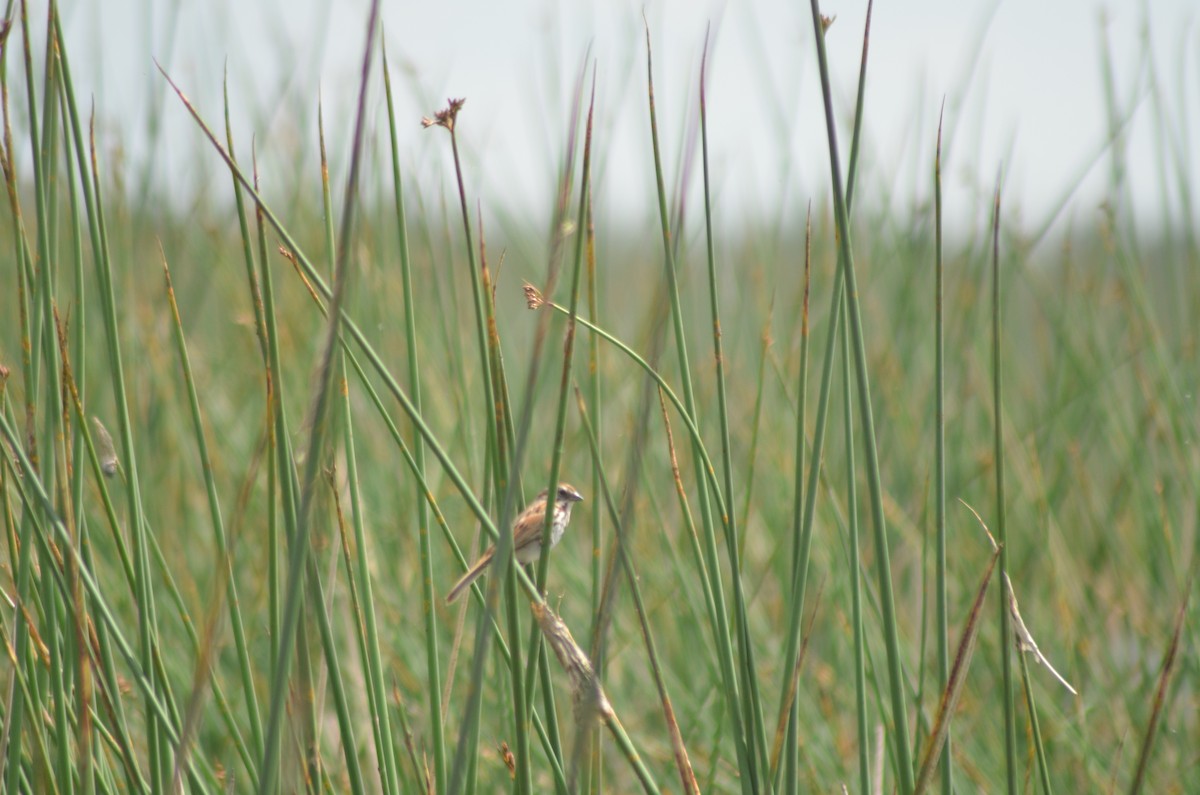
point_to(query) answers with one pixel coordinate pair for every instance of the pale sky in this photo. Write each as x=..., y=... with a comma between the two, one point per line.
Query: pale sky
x=1023, y=81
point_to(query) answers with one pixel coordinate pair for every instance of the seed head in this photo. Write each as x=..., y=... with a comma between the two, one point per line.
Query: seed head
x=446, y=116
x=533, y=297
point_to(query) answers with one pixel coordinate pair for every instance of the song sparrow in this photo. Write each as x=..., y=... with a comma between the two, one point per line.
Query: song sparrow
x=527, y=535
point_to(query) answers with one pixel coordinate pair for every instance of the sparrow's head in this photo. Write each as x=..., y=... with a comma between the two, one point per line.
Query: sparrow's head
x=567, y=493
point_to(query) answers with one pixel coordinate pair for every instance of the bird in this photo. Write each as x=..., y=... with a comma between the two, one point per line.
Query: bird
x=527, y=534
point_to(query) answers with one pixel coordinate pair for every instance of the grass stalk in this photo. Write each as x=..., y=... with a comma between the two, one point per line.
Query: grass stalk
x=939, y=425
x=751, y=696
x=683, y=763
x=366, y=631
x=936, y=744
x=891, y=632
x=225, y=553
x=499, y=467
x=281, y=506
x=158, y=736
x=298, y=558
x=1160, y=692
x=57, y=531
x=595, y=393
x=855, y=570
x=537, y=657
x=83, y=665
x=105, y=661
x=1006, y=631
x=256, y=299
x=428, y=597
x=804, y=506
x=1035, y=727
x=448, y=118
x=731, y=680
x=801, y=539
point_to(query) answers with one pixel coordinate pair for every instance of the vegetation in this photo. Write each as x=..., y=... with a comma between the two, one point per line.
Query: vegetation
x=249, y=447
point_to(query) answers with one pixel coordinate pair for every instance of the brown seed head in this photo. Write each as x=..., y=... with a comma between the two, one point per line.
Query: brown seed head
x=533, y=297
x=446, y=116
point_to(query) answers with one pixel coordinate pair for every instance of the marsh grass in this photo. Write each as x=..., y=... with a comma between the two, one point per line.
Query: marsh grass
x=242, y=588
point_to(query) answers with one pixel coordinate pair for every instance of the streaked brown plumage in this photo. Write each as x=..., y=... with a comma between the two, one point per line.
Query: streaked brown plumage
x=527, y=535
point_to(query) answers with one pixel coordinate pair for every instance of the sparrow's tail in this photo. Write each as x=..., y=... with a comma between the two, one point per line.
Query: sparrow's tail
x=471, y=576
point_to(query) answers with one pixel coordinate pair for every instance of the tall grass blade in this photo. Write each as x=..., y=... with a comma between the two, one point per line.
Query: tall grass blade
x=939, y=425
x=1006, y=633
x=679, y=750
x=732, y=681
x=225, y=556
x=537, y=657
x=429, y=598
x=805, y=502
x=749, y=669
x=856, y=609
x=298, y=552
x=903, y=748
x=362, y=596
